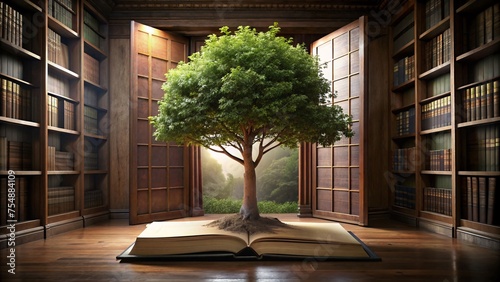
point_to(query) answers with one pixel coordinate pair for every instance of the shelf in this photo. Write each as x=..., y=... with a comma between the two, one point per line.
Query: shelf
x=17, y=50
x=22, y=172
x=62, y=70
x=403, y=172
x=63, y=97
x=435, y=97
x=16, y=80
x=435, y=130
x=403, y=137
x=96, y=172
x=402, y=109
x=96, y=136
x=404, y=86
x=61, y=29
x=479, y=122
x=63, y=130
x=94, y=51
x=474, y=6
x=436, y=71
x=478, y=83
x=27, y=6
x=479, y=173
x=407, y=49
x=63, y=172
x=480, y=52
x=19, y=122
x=436, y=172
x=101, y=89
x=432, y=32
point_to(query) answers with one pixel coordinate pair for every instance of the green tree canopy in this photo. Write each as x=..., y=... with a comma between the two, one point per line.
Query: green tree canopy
x=247, y=87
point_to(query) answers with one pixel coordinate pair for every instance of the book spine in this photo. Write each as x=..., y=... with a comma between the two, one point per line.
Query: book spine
x=475, y=199
x=482, y=199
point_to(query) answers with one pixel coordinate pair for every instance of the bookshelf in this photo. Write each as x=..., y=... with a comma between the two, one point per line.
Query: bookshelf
x=53, y=115
x=445, y=116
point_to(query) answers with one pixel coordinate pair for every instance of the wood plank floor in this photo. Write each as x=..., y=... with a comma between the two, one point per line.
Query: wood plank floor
x=408, y=254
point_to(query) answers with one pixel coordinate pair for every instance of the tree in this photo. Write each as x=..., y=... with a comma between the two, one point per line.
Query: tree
x=244, y=88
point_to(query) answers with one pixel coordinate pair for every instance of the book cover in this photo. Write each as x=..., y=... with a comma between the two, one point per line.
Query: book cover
x=491, y=200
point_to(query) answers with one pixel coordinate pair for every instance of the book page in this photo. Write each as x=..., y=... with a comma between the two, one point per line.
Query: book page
x=308, y=239
x=170, y=237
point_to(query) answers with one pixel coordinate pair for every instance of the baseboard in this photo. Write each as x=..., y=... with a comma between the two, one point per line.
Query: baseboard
x=476, y=237
x=63, y=226
x=436, y=227
x=22, y=237
x=410, y=220
x=95, y=218
x=119, y=214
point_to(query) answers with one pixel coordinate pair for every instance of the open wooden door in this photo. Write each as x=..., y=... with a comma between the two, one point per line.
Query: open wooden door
x=164, y=177
x=332, y=179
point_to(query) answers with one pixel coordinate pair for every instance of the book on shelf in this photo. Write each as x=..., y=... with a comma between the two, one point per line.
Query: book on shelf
x=481, y=198
x=405, y=122
x=481, y=101
x=91, y=29
x=11, y=24
x=11, y=65
x=404, y=70
x=483, y=27
x=21, y=200
x=404, y=196
x=15, y=100
x=435, y=11
x=57, y=52
x=436, y=113
x=483, y=148
x=93, y=198
x=91, y=123
x=439, y=160
x=52, y=111
x=15, y=155
x=61, y=199
x=62, y=10
x=91, y=69
x=69, y=115
x=404, y=159
x=59, y=160
x=437, y=200
x=295, y=240
x=438, y=50
x=58, y=84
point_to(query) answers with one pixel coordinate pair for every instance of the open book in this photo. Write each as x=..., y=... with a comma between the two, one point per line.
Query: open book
x=299, y=239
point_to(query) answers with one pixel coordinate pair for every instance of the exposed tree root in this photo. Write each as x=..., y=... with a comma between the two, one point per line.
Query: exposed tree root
x=236, y=223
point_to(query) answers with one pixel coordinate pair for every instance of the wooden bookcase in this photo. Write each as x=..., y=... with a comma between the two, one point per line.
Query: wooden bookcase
x=445, y=52
x=53, y=120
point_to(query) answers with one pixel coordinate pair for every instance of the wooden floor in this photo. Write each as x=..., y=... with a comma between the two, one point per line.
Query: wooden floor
x=407, y=254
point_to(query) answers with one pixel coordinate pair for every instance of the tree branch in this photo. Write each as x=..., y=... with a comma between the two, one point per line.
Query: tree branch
x=231, y=155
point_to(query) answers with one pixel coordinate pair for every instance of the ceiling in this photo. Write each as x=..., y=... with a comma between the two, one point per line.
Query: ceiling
x=203, y=17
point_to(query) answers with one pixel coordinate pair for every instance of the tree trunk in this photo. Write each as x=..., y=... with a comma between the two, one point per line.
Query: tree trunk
x=249, y=208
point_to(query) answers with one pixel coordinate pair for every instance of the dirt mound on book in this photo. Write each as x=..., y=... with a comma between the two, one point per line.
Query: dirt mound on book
x=236, y=223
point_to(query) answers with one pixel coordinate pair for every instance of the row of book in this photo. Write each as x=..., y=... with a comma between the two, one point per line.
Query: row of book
x=11, y=65
x=403, y=32
x=91, y=124
x=482, y=101
x=405, y=122
x=404, y=160
x=23, y=207
x=483, y=148
x=437, y=200
x=11, y=24
x=479, y=200
x=436, y=113
x=15, y=100
x=57, y=51
x=483, y=28
x=93, y=198
x=438, y=50
x=61, y=199
x=439, y=160
x=58, y=160
x=404, y=196
x=58, y=84
x=15, y=155
x=91, y=161
x=404, y=70
x=60, y=113
x=435, y=11
x=91, y=29
x=91, y=69
x=62, y=10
